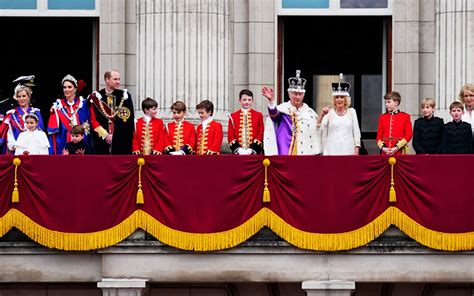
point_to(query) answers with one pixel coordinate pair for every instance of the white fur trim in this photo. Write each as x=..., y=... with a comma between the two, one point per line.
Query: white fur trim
x=296, y=90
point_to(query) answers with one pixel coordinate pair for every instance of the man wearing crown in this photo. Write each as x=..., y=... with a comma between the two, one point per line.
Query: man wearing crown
x=112, y=117
x=291, y=127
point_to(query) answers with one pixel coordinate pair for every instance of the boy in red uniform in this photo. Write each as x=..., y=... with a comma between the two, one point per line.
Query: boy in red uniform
x=245, y=133
x=149, y=133
x=394, y=130
x=209, y=132
x=180, y=134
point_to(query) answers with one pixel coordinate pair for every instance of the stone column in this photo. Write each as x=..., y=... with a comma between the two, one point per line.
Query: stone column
x=123, y=287
x=328, y=288
x=406, y=54
x=117, y=42
x=183, y=53
x=454, y=49
x=261, y=42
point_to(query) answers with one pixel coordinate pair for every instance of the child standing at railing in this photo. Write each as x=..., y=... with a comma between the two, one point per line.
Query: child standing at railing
x=457, y=135
x=32, y=141
x=428, y=130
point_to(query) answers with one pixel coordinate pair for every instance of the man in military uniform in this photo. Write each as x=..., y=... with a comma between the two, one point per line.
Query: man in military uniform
x=112, y=117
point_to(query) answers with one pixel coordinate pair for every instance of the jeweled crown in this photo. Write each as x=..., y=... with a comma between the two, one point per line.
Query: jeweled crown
x=341, y=88
x=297, y=84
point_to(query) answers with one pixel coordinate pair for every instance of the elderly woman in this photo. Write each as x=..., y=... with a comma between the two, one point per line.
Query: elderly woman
x=14, y=122
x=466, y=96
x=340, y=128
x=67, y=112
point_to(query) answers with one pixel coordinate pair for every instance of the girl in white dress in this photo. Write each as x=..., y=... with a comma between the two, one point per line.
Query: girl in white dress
x=32, y=141
x=340, y=128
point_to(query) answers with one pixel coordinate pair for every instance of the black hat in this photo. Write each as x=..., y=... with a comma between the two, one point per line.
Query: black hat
x=341, y=88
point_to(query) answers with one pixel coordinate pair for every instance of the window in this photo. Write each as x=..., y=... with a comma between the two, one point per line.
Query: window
x=17, y=4
x=71, y=4
x=364, y=3
x=305, y=4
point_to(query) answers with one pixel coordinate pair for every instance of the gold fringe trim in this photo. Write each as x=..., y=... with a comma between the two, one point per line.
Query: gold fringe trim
x=6, y=223
x=70, y=241
x=204, y=241
x=433, y=239
x=329, y=241
x=233, y=237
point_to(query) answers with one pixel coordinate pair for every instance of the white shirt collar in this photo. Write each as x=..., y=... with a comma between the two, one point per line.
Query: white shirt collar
x=146, y=118
x=206, y=122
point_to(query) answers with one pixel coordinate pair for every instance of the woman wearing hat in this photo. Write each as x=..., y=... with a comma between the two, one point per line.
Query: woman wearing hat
x=67, y=112
x=14, y=121
x=340, y=128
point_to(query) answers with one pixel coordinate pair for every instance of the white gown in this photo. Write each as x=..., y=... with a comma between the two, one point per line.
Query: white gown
x=35, y=142
x=341, y=134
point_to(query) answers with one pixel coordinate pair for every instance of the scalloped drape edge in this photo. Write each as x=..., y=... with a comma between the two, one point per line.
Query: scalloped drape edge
x=233, y=237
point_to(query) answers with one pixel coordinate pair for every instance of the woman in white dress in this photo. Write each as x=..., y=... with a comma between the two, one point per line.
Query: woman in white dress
x=340, y=128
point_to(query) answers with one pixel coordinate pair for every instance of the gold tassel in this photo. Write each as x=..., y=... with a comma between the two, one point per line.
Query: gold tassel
x=140, y=199
x=266, y=191
x=392, y=194
x=15, y=193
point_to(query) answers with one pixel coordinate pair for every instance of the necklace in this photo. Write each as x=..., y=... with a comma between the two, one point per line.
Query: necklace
x=113, y=112
x=70, y=115
x=341, y=113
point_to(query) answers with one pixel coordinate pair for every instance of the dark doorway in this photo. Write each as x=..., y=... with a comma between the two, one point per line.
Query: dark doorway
x=48, y=48
x=329, y=45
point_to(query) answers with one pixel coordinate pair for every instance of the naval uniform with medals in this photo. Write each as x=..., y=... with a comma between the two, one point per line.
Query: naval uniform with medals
x=112, y=113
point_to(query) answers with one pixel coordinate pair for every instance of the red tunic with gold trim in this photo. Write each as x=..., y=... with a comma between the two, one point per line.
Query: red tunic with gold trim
x=180, y=137
x=245, y=130
x=148, y=138
x=394, y=130
x=209, y=141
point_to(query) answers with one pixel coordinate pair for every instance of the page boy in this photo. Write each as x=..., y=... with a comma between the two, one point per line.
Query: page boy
x=245, y=129
x=394, y=129
x=180, y=134
x=209, y=132
x=149, y=136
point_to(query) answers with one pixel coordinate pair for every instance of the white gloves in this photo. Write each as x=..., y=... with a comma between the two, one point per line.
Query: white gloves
x=242, y=151
x=179, y=152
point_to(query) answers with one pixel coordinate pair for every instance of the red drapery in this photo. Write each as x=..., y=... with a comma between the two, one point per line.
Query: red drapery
x=215, y=202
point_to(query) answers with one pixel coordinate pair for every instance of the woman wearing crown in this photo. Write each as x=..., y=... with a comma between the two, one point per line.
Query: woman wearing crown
x=340, y=133
x=67, y=112
x=14, y=122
